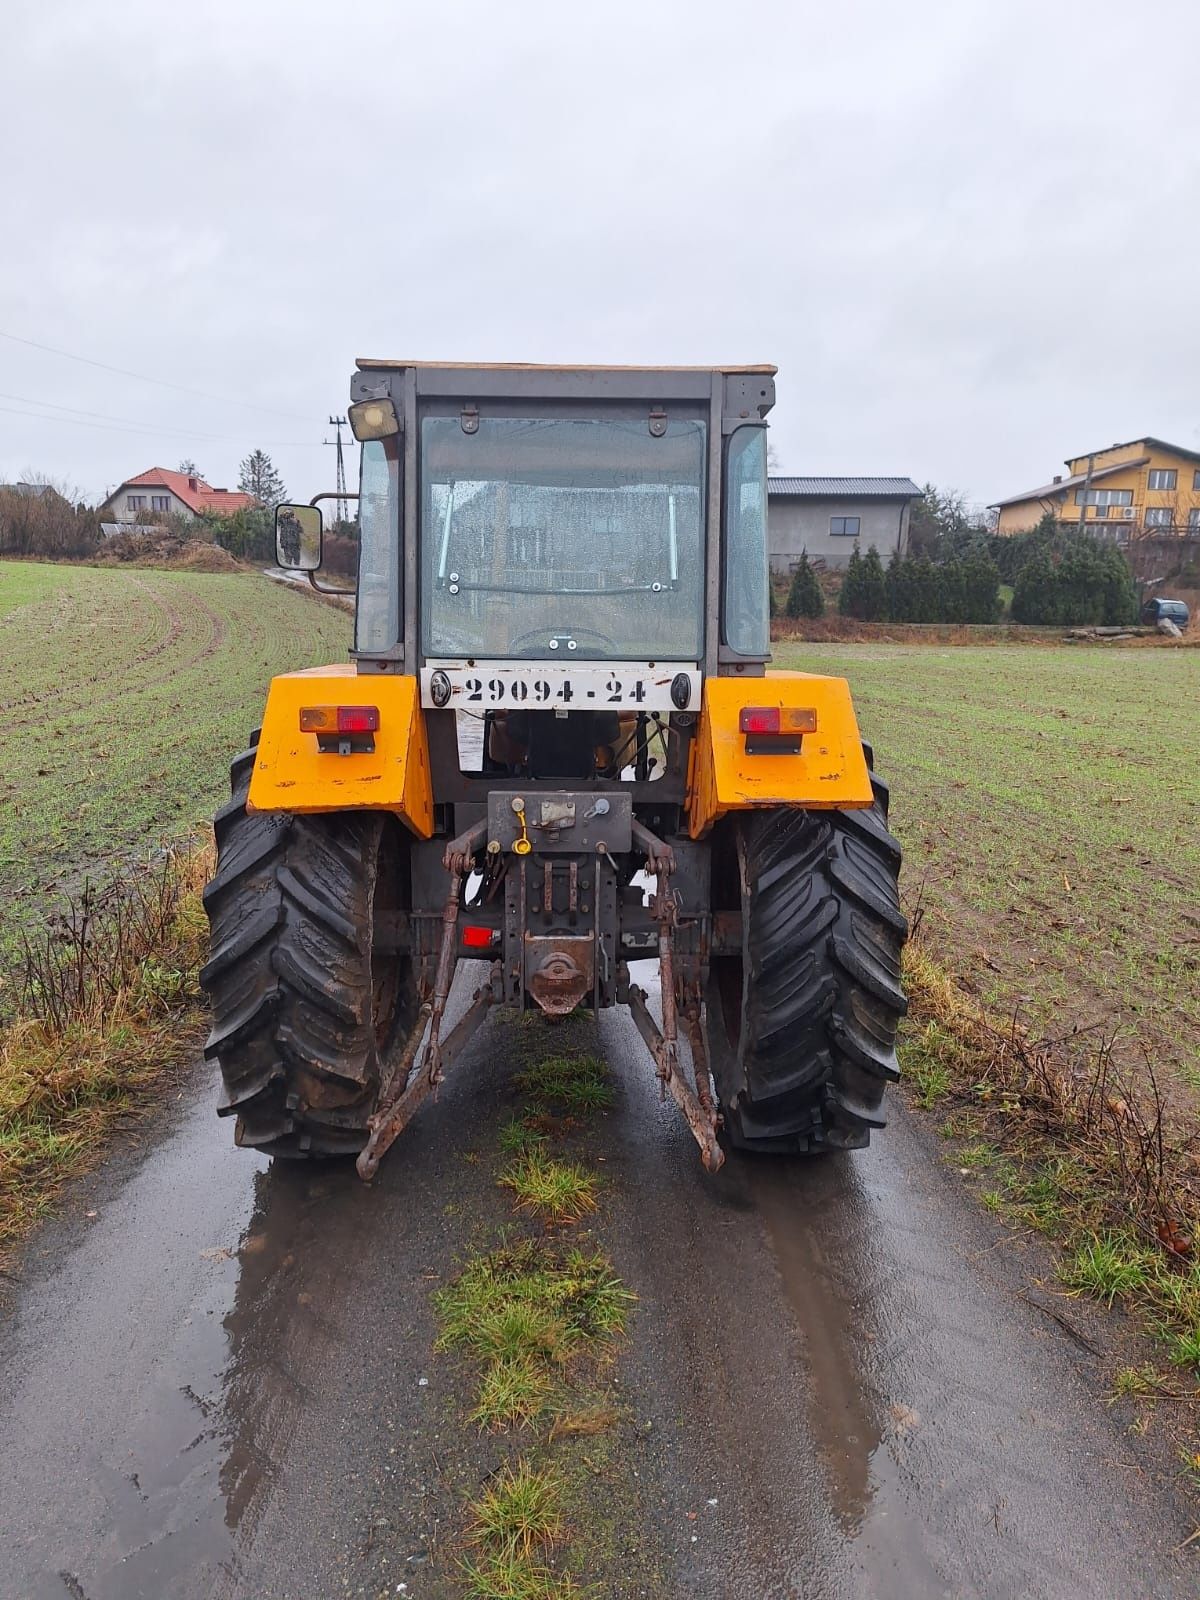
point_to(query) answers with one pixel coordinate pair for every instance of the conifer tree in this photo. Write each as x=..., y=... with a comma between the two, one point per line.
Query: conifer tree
x=805, y=598
x=874, y=588
x=850, y=599
x=260, y=479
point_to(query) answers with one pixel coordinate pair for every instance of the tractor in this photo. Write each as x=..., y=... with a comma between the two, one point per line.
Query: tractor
x=557, y=751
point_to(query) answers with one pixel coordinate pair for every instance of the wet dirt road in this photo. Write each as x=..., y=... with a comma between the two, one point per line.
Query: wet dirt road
x=222, y=1384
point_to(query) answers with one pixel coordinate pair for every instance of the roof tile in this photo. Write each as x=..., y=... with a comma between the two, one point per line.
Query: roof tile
x=201, y=498
x=838, y=488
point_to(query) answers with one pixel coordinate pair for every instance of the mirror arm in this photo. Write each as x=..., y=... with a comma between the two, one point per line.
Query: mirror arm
x=331, y=494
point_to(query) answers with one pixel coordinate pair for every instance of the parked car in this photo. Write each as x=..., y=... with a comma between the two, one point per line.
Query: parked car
x=1162, y=610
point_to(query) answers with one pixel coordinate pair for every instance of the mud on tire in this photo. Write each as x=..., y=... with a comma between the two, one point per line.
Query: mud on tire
x=306, y=1002
x=802, y=1022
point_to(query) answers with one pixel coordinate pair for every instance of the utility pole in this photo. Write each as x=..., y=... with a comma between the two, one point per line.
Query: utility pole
x=1087, y=489
x=339, y=423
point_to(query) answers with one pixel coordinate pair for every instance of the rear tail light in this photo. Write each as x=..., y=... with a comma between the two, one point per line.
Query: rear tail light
x=339, y=719
x=478, y=938
x=778, y=720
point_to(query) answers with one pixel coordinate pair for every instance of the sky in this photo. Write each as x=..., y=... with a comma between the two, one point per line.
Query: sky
x=967, y=233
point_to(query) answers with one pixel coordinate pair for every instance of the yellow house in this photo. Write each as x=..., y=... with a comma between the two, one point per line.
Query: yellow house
x=1146, y=486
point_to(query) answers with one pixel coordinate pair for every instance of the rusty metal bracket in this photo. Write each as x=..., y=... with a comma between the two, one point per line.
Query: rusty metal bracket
x=459, y=855
x=660, y=858
x=663, y=908
x=395, y=1108
x=696, y=1105
x=390, y=1120
x=702, y=1123
x=695, y=1033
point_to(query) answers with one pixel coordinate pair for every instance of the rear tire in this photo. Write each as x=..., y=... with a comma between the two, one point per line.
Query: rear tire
x=307, y=1003
x=802, y=1021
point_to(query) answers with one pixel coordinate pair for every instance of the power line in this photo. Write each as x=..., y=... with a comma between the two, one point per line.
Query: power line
x=102, y=416
x=151, y=432
x=143, y=377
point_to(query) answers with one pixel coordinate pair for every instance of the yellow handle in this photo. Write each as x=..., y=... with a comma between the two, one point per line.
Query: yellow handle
x=521, y=846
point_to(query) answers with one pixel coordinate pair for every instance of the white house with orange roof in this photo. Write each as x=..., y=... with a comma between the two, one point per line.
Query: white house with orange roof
x=163, y=493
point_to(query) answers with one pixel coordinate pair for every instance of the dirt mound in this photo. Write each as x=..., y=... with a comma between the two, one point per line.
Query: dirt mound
x=199, y=557
x=155, y=548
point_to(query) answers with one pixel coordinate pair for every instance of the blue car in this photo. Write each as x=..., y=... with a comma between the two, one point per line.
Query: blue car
x=1159, y=610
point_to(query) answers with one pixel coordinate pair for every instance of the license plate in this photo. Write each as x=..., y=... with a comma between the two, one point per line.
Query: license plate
x=540, y=687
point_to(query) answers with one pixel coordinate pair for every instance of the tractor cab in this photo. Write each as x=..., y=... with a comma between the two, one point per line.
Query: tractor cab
x=544, y=547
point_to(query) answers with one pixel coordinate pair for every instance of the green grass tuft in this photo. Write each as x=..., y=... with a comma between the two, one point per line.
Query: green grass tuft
x=1132, y=1382
x=1107, y=1267
x=513, y=1391
x=558, y=1191
x=519, y=1512
x=518, y=1136
x=513, y=1577
x=576, y=1083
x=1185, y=1348
x=525, y=1312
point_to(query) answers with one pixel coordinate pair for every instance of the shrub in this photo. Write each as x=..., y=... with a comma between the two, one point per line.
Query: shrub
x=850, y=598
x=864, y=588
x=805, y=598
x=1072, y=580
x=44, y=522
x=248, y=534
x=981, y=588
x=874, y=588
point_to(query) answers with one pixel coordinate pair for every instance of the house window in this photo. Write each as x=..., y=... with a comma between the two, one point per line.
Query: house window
x=1158, y=517
x=1194, y=517
x=160, y=502
x=135, y=502
x=527, y=546
x=843, y=527
x=1196, y=480
x=1105, y=497
x=1162, y=478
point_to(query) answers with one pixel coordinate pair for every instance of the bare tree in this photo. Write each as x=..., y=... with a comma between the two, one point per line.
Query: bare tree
x=1183, y=516
x=43, y=517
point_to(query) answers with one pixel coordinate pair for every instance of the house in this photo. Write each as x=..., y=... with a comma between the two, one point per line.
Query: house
x=171, y=494
x=1144, y=486
x=828, y=517
x=36, y=491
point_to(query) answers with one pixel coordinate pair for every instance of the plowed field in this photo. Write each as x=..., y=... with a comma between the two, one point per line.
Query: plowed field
x=123, y=695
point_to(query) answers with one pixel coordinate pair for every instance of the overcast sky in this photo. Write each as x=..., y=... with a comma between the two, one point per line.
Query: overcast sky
x=968, y=234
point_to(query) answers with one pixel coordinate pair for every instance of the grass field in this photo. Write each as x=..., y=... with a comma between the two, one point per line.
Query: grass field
x=1049, y=805
x=122, y=697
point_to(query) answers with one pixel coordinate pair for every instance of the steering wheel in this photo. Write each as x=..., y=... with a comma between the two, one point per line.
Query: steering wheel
x=590, y=636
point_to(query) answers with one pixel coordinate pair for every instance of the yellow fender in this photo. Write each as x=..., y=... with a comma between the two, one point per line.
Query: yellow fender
x=830, y=773
x=293, y=773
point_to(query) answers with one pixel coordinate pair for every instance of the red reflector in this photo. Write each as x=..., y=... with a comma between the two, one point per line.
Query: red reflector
x=358, y=719
x=339, y=719
x=477, y=938
x=778, y=719
x=759, y=719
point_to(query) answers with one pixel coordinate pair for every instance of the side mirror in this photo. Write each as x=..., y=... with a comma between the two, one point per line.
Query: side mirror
x=299, y=535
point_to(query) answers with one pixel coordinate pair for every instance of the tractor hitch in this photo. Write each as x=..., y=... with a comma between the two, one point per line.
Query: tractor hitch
x=663, y=1043
x=408, y=1086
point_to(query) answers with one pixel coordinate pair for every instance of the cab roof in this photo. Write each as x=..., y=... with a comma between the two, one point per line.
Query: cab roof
x=372, y=363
